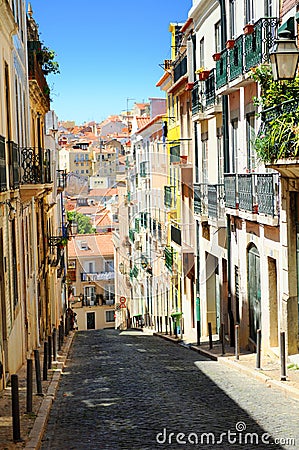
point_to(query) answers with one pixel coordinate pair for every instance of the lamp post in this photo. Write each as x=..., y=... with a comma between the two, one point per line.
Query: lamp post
x=284, y=57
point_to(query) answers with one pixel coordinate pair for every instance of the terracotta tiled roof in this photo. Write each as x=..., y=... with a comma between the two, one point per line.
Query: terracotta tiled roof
x=142, y=121
x=98, y=245
x=287, y=5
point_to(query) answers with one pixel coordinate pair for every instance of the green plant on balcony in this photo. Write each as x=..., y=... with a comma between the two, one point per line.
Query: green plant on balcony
x=46, y=57
x=279, y=134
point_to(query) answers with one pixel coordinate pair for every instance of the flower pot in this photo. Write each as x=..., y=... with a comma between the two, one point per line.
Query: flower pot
x=189, y=86
x=216, y=56
x=230, y=44
x=203, y=75
x=248, y=29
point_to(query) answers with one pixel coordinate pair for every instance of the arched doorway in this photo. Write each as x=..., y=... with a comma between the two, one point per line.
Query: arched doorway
x=254, y=290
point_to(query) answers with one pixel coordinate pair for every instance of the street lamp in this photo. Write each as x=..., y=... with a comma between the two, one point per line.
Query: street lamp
x=284, y=57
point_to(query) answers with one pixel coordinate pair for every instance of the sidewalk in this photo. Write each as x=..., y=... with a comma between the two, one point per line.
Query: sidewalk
x=32, y=425
x=270, y=372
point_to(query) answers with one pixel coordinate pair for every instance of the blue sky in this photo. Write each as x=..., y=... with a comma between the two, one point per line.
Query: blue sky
x=107, y=51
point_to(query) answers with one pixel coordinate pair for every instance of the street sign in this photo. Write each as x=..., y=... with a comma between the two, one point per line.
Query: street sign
x=122, y=302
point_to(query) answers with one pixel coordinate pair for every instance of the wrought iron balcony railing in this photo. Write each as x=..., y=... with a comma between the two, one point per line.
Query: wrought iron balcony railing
x=168, y=252
x=201, y=198
x=254, y=193
x=222, y=70
x=176, y=235
x=3, y=178
x=196, y=103
x=236, y=58
x=249, y=51
x=230, y=190
x=35, y=166
x=97, y=276
x=169, y=196
x=210, y=91
x=216, y=208
x=143, y=169
x=180, y=67
x=61, y=179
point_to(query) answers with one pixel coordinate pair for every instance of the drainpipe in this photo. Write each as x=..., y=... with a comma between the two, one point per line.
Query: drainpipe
x=225, y=112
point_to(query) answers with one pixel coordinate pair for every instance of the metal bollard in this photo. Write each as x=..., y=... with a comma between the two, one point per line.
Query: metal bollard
x=50, y=352
x=45, y=365
x=54, y=338
x=29, y=386
x=237, y=342
x=37, y=373
x=15, y=408
x=158, y=324
x=222, y=337
x=170, y=326
x=59, y=337
x=62, y=329
x=198, y=332
x=258, y=348
x=66, y=331
x=166, y=325
x=210, y=335
x=283, y=367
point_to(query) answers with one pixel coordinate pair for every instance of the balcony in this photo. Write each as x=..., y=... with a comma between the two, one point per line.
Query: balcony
x=216, y=209
x=201, y=199
x=196, y=103
x=249, y=51
x=180, y=67
x=3, y=179
x=36, y=73
x=131, y=235
x=176, y=235
x=222, y=70
x=35, y=166
x=168, y=253
x=143, y=169
x=169, y=197
x=97, y=276
x=60, y=179
x=252, y=193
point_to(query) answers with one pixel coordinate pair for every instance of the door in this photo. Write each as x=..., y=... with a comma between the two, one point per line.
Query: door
x=90, y=320
x=254, y=291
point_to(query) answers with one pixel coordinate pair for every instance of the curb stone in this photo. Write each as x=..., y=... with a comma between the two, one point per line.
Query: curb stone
x=38, y=429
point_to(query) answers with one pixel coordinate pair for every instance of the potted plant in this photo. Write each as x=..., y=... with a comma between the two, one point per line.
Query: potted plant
x=248, y=29
x=216, y=56
x=202, y=74
x=230, y=44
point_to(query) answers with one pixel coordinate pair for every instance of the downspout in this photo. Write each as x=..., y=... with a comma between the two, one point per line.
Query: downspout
x=225, y=112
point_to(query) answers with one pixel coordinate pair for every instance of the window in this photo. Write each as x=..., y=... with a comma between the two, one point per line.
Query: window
x=232, y=11
x=109, y=266
x=202, y=52
x=250, y=137
x=249, y=11
x=218, y=37
x=110, y=316
x=269, y=8
x=234, y=139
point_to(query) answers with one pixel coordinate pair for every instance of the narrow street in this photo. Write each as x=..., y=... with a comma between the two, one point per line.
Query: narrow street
x=129, y=390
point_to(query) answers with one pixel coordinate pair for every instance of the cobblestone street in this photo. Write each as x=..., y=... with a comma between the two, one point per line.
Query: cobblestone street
x=130, y=390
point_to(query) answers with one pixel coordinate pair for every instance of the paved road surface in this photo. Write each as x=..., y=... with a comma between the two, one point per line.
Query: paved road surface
x=133, y=391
